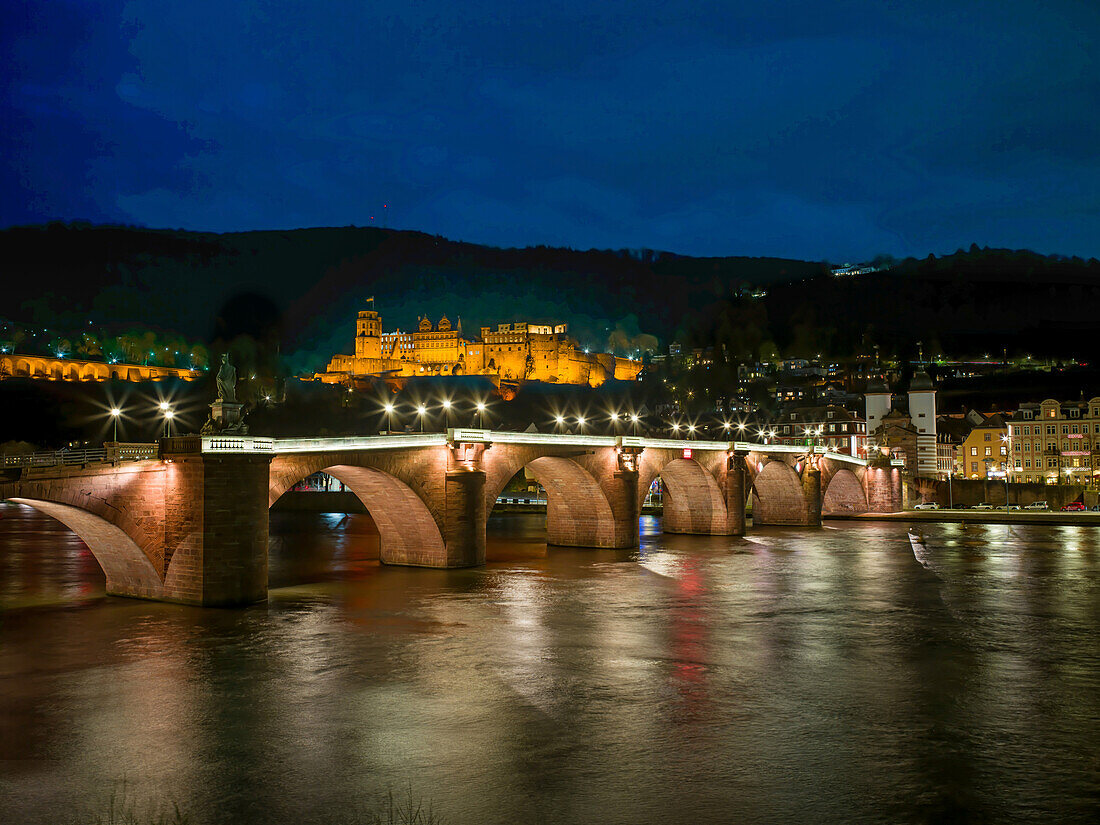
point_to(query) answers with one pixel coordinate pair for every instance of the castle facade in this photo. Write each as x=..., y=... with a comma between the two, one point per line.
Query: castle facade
x=514, y=352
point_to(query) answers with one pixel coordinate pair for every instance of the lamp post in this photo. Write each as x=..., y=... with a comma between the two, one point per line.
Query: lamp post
x=691, y=431
x=634, y=422
x=421, y=411
x=115, y=413
x=480, y=412
x=580, y=423
x=559, y=420
x=447, y=412
x=166, y=411
x=614, y=422
x=675, y=429
x=389, y=417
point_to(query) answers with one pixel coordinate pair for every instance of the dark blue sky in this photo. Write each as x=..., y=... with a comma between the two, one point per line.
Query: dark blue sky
x=804, y=129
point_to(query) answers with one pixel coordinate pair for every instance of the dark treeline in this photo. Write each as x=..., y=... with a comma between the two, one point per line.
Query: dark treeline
x=971, y=303
x=317, y=278
x=288, y=298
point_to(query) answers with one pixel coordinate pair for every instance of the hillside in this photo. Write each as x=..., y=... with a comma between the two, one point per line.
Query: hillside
x=305, y=285
x=310, y=281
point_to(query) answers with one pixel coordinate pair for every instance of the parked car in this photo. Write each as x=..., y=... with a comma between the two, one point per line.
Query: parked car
x=1037, y=505
x=1075, y=505
x=927, y=505
x=1014, y=507
x=985, y=505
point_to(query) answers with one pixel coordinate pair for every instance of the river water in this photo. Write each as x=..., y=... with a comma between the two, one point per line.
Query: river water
x=796, y=675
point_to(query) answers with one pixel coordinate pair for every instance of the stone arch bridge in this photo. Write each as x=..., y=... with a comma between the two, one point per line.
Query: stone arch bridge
x=192, y=525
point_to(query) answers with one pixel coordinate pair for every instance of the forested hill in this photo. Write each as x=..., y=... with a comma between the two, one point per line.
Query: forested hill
x=315, y=279
x=969, y=303
x=307, y=284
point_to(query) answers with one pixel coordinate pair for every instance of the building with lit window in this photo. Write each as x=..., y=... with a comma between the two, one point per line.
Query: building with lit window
x=1055, y=442
x=832, y=427
x=985, y=449
x=516, y=352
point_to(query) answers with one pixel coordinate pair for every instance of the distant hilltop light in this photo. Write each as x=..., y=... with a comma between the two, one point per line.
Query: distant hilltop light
x=517, y=351
x=852, y=270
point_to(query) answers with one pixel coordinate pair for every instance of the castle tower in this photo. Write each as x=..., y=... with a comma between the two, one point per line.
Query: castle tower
x=922, y=414
x=368, y=335
x=878, y=402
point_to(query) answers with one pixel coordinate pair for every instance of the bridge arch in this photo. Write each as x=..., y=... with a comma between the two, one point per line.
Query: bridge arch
x=578, y=512
x=844, y=494
x=693, y=502
x=777, y=496
x=408, y=530
x=128, y=570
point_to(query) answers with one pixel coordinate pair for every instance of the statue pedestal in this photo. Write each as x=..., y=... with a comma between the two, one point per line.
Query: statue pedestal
x=225, y=417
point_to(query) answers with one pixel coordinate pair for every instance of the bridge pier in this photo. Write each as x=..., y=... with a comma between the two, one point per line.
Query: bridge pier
x=215, y=529
x=736, y=495
x=464, y=518
x=811, y=491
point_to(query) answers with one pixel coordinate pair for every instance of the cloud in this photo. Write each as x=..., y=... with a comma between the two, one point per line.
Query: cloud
x=792, y=128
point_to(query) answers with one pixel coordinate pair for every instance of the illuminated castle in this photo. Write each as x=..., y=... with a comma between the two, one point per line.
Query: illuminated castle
x=513, y=352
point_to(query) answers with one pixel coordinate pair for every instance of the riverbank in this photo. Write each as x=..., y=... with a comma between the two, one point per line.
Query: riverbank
x=978, y=517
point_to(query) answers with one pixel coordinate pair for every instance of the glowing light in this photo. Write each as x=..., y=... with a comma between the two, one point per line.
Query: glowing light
x=580, y=420
x=169, y=414
x=164, y=407
x=421, y=409
x=614, y=416
x=481, y=406
x=446, y=403
x=634, y=418
x=560, y=419
x=691, y=428
x=116, y=412
x=389, y=408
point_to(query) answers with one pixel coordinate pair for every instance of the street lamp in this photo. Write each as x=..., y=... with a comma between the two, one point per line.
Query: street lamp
x=580, y=423
x=421, y=410
x=115, y=413
x=691, y=431
x=447, y=411
x=676, y=427
x=614, y=420
x=634, y=422
x=388, y=407
x=559, y=420
x=480, y=412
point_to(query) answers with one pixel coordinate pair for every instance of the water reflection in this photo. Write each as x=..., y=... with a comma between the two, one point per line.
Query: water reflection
x=794, y=675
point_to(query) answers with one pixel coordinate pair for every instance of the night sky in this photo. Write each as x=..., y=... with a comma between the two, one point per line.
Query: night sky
x=805, y=129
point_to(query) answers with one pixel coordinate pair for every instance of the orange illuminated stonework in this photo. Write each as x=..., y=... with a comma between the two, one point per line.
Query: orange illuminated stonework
x=67, y=369
x=518, y=351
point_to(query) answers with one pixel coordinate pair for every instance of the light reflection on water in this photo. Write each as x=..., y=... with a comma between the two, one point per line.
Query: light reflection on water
x=796, y=675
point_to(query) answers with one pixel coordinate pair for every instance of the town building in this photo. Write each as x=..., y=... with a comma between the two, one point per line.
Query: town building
x=909, y=434
x=1055, y=442
x=985, y=449
x=833, y=427
x=516, y=351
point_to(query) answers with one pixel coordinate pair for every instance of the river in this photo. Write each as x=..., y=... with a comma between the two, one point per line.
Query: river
x=795, y=675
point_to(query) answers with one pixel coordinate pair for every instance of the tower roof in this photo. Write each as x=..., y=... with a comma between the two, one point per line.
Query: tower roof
x=921, y=381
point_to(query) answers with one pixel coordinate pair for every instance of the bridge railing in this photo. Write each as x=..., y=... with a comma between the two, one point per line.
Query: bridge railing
x=111, y=452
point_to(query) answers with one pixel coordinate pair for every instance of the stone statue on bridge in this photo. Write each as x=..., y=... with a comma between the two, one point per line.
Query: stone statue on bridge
x=226, y=416
x=227, y=380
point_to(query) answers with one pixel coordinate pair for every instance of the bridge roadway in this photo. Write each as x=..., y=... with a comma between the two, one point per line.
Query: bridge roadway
x=192, y=524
